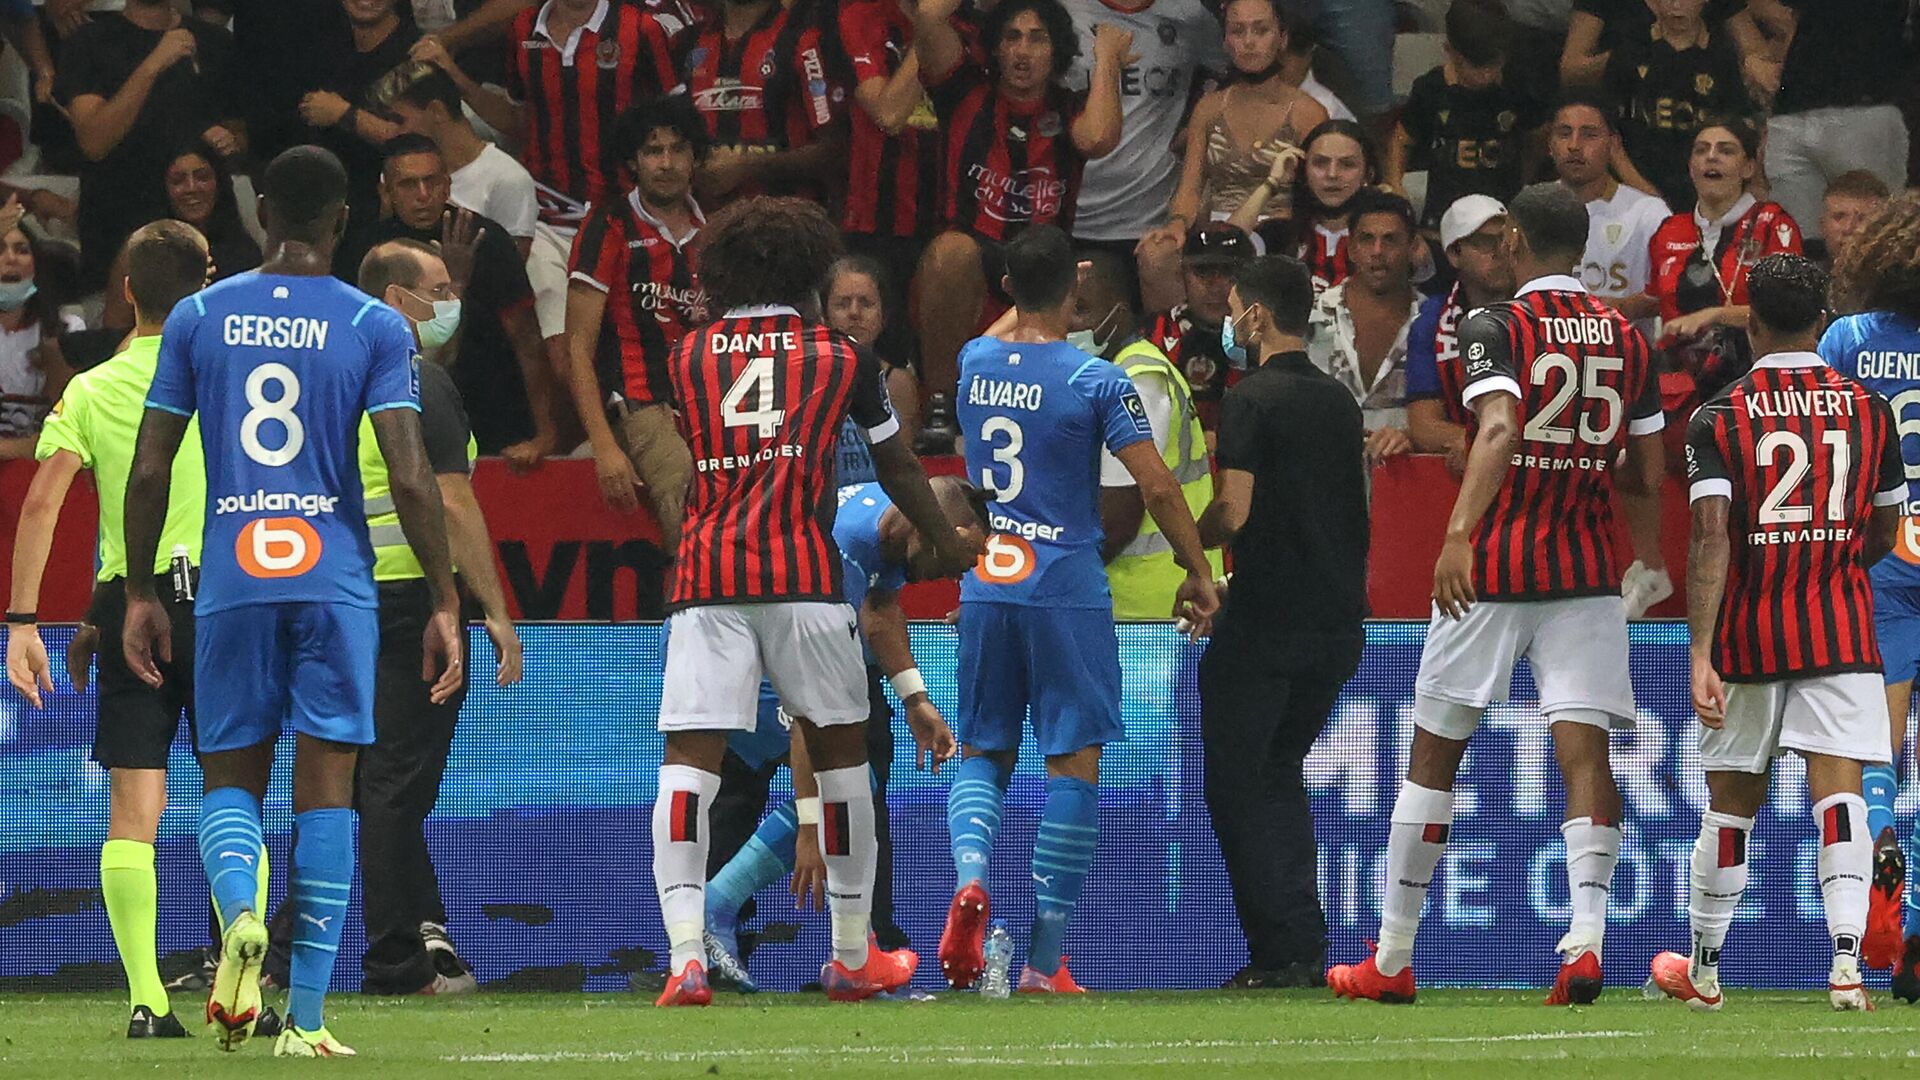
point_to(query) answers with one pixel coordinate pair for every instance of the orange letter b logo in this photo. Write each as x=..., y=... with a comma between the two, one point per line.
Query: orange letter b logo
x=277, y=547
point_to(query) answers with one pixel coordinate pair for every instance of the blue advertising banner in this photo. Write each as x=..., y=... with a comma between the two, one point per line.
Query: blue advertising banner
x=541, y=835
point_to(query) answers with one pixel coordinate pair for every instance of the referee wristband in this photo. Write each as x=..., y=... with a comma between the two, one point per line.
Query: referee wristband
x=908, y=683
x=807, y=810
x=23, y=618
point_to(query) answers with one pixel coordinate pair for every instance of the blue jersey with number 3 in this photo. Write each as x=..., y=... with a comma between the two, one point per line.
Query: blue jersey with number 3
x=280, y=370
x=1883, y=351
x=1035, y=418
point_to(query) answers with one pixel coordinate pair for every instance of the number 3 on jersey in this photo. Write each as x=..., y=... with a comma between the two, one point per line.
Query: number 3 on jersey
x=756, y=380
x=279, y=409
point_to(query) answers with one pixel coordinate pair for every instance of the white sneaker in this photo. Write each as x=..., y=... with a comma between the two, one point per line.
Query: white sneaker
x=310, y=1044
x=1642, y=588
x=1844, y=987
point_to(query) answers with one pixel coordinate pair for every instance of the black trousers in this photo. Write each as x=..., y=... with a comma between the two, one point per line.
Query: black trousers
x=395, y=788
x=1261, y=708
x=742, y=802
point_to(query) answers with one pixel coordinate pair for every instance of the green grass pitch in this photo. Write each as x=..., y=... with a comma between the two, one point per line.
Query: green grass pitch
x=1468, y=1034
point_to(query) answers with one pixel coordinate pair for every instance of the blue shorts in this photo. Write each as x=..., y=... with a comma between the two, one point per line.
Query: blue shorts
x=256, y=667
x=771, y=736
x=1896, y=622
x=1064, y=662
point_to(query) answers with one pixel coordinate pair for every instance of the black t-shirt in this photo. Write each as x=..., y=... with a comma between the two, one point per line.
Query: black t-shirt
x=1629, y=20
x=1300, y=562
x=1470, y=141
x=1665, y=96
x=279, y=64
x=350, y=73
x=443, y=421
x=127, y=188
x=1844, y=53
x=485, y=369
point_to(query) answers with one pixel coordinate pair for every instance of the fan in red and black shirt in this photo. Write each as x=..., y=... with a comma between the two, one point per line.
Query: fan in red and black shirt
x=1797, y=486
x=764, y=392
x=1189, y=333
x=632, y=294
x=1015, y=142
x=758, y=77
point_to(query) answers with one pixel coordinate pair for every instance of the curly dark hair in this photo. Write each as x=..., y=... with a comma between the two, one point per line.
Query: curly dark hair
x=767, y=251
x=1788, y=293
x=1880, y=269
x=635, y=126
x=1060, y=31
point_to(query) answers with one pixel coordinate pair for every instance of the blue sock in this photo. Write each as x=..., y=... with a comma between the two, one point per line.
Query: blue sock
x=973, y=816
x=1881, y=786
x=1062, y=854
x=765, y=859
x=322, y=876
x=230, y=849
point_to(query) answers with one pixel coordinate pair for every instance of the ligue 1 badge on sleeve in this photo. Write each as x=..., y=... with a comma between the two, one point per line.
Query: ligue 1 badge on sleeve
x=607, y=54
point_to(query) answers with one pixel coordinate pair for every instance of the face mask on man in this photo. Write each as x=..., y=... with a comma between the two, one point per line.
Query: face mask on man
x=15, y=294
x=439, y=330
x=1235, y=350
x=1095, y=340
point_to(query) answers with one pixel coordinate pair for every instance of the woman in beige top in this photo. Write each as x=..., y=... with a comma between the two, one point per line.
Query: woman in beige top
x=1234, y=139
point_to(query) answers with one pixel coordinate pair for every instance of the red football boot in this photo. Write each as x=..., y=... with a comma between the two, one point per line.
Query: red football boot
x=884, y=973
x=1580, y=982
x=1880, y=948
x=1060, y=982
x=687, y=988
x=1363, y=980
x=1673, y=974
x=963, y=944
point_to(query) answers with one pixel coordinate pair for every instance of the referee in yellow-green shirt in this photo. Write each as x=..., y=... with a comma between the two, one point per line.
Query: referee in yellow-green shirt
x=93, y=427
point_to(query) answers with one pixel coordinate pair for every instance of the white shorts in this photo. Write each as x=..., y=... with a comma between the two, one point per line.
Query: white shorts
x=547, y=273
x=1576, y=646
x=717, y=654
x=1843, y=716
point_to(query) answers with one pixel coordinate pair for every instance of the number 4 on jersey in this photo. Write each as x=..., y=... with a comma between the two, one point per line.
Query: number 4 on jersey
x=756, y=380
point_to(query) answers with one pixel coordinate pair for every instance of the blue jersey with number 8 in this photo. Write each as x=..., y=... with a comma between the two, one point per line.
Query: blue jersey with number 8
x=280, y=369
x=1035, y=418
x=1883, y=351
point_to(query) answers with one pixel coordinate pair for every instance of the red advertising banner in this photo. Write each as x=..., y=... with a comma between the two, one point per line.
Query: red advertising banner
x=564, y=555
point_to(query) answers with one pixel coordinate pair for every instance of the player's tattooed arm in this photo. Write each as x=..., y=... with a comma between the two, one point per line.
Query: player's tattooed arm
x=148, y=633
x=1488, y=461
x=1707, y=554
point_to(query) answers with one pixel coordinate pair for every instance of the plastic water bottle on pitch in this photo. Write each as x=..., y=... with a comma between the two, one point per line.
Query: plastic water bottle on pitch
x=993, y=984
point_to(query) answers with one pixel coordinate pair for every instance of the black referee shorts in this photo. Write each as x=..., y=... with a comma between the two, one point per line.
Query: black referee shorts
x=137, y=723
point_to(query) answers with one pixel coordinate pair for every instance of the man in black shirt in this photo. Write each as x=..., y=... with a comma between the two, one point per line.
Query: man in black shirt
x=376, y=40
x=1292, y=503
x=1832, y=68
x=1669, y=81
x=498, y=361
x=140, y=84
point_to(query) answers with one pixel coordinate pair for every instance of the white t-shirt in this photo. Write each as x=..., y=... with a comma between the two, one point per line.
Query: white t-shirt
x=1125, y=194
x=22, y=385
x=1157, y=396
x=1317, y=90
x=1619, y=233
x=498, y=187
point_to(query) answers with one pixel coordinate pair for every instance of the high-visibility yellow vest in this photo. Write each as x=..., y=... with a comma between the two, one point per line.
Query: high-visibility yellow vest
x=393, y=558
x=1144, y=577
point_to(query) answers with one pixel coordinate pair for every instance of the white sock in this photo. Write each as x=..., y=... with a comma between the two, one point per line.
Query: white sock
x=680, y=858
x=1845, y=864
x=1593, y=850
x=852, y=852
x=1416, y=840
x=1718, y=879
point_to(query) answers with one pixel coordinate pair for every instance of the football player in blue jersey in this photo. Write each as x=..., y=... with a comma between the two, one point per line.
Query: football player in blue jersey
x=1036, y=618
x=1879, y=276
x=279, y=366
x=880, y=552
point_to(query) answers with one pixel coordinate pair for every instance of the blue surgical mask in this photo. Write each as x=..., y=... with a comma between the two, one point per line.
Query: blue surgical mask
x=15, y=294
x=1083, y=340
x=1235, y=350
x=439, y=330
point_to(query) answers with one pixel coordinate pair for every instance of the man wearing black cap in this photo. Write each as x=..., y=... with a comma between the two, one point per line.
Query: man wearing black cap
x=1291, y=502
x=1190, y=333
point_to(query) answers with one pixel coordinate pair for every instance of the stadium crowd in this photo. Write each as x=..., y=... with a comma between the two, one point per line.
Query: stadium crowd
x=528, y=185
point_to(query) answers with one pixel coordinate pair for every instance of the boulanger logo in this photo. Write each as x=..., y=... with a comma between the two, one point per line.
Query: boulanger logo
x=277, y=547
x=1008, y=560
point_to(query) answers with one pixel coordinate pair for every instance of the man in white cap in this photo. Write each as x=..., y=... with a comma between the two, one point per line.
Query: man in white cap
x=1470, y=232
x=1621, y=220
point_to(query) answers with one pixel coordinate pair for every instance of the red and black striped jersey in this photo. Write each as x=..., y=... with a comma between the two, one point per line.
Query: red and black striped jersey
x=1194, y=348
x=767, y=91
x=574, y=90
x=1325, y=253
x=1009, y=164
x=1805, y=453
x=653, y=294
x=893, y=181
x=1584, y=378
x=763, y=395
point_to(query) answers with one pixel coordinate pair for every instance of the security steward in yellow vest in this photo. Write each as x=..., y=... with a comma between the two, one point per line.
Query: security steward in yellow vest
x=1141, y=571
x=398, y=780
